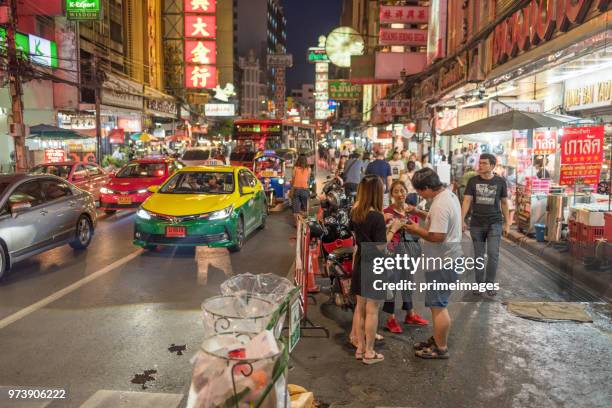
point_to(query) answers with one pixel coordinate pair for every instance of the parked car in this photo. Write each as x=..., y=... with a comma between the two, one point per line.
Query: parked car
x=202, y=156
x=215, y=206
x=41, y=212
x=127, y=188
x=85, y=175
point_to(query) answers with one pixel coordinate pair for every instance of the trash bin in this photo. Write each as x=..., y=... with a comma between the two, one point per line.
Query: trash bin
x=240, y=370
x=540, y=230
x=268, y=286
x=239, y=313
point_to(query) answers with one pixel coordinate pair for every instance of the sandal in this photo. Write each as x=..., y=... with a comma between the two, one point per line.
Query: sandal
x=425, y=344
x=432, y=353
x=379, y=337
x=359, y=356
x=373, y=360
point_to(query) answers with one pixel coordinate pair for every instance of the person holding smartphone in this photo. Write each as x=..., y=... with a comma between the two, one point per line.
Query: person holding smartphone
x=402, y=242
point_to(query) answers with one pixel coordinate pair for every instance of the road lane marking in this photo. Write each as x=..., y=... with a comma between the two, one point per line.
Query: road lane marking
x=131, y=399
x=68, y=289
x=212, y=257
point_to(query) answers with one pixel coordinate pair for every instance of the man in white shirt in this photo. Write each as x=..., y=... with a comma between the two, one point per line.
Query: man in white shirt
x=443, y=229
x=397, y=166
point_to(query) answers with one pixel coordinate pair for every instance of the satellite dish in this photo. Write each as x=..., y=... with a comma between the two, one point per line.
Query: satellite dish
x=341, y=43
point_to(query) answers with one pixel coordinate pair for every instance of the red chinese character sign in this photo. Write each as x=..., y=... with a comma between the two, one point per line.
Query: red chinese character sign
x=201, y=6
x=200, y=76
x=201, y=52
x=581, y=154
x=200, y=26
x=403, y=14
x=200, y=47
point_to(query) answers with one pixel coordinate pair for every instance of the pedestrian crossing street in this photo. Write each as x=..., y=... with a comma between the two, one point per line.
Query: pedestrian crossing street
x=100, y=399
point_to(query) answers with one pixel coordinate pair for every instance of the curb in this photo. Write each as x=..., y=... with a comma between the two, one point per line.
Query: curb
x=569, y=267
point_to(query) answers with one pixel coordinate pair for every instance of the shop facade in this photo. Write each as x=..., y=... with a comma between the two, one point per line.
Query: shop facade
x=550, y=57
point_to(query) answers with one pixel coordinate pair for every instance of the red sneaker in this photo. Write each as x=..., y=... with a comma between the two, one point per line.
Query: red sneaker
x=393, y=326
x=416, y=319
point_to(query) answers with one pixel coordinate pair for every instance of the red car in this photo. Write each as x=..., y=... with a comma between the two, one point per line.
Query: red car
x=128, y=188
x=85, y=175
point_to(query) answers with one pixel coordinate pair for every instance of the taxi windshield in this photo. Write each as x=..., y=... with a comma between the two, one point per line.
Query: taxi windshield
x=200, y=182
x=142, y=170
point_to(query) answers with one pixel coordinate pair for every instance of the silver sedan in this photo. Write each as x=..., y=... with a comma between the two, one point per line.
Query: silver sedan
x=41, y=212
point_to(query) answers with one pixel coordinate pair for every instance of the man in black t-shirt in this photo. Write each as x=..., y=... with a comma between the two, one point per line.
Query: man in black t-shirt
x=487, y=195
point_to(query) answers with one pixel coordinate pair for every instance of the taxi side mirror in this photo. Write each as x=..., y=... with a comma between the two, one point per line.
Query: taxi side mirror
x=247, y=190
x=153, y=189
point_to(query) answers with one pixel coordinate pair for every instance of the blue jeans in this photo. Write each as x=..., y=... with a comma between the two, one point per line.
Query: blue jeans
x=486, y=239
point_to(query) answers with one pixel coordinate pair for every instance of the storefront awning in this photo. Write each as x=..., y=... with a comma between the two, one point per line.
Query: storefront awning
x=53, y=132
x=512, y=120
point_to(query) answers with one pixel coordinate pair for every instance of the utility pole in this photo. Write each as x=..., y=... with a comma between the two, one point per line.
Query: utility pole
x=15, y=89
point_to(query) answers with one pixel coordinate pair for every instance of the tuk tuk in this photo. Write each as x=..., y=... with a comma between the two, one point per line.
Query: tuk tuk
x=270, y=169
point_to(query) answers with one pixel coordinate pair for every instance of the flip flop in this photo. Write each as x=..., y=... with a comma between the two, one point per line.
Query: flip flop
x=359, y=356
x=432, y=353
x=379, y=337
x=373, y=360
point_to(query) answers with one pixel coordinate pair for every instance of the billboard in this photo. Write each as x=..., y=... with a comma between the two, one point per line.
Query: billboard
x=200, y=47
x=410, y=37
x=219, y=109
x=81, y=10
x=403, y=14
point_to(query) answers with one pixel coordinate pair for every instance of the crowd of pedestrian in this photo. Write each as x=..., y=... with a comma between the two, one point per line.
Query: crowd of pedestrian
x=392, y=191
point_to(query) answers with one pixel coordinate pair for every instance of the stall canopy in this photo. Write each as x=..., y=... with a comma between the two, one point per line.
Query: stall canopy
x=512, y=120
x=53, y=132
x=143, y=137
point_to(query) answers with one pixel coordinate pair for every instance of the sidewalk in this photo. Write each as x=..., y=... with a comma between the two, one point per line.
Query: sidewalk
x=497, y=359
x=598, y=280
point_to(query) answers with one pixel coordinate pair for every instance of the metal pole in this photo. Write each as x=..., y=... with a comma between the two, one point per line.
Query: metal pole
x=15, y=89
x=97, y=85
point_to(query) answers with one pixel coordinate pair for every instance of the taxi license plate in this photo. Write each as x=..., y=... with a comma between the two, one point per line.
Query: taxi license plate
x=124, y=200
x=176, y=232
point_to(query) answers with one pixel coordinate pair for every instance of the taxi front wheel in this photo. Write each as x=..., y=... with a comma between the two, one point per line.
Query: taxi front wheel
x=239, y=240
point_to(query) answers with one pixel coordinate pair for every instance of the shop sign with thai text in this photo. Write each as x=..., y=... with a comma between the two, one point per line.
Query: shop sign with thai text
x=579, y=174
x=343, y=90
x=403, y=36
x=55, y=155
x=544, y=142
x=582, y=145
x=538, y=22
x=403, y=14
x=317, y=54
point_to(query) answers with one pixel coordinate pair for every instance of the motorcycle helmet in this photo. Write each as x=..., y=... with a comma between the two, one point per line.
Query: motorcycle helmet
x=316, y=229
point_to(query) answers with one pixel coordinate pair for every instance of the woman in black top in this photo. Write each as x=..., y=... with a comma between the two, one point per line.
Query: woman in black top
x=368, y=225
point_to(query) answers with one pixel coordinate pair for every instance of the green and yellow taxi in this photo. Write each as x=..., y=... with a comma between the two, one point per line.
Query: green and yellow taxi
x=215, y=206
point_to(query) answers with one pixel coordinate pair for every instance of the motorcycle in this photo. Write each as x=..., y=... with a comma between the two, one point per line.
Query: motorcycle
x=337, y=241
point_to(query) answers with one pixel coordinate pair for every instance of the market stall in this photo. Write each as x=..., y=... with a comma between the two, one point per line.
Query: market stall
x=48, y=143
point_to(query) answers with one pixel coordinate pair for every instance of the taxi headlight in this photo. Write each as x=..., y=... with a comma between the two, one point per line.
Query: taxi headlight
x=144, y=214
x=144, y=190
x=105, y=190
x=221, y=214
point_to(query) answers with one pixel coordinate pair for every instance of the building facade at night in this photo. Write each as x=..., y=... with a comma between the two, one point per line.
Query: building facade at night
x=261, y=27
